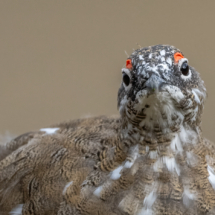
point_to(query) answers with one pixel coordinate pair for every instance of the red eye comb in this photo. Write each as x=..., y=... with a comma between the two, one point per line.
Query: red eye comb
x=128, y=64
x=178, y=56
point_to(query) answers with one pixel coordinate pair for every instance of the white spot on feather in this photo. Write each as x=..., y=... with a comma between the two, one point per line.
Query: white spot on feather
x=195, y=111
x=196, y=97
x=153, y=68
x=97, y=191
x=162, y=59
x=153, y=154
x=188, y=136
x=188, y=197
x=169, y=61
x=134, y=156
x=150, y=199
x=128, y=164
x=145, y=212
x=189, y=194
x=175, y=92
x=176, y=144
x=165, y=68
x=123, y=104
x=198, y=92
x=147, y=148
x=163, y=52
x=211, y=177
x=192, y=159
x=141, y=57
x=148, y=202
x=122, y=204
x=169, y=162
x=67, y=185
x=116, y=173
x=49, y=130
x=17, y=210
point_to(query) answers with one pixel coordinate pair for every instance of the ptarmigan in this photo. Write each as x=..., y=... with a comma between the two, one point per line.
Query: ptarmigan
x=151, y=160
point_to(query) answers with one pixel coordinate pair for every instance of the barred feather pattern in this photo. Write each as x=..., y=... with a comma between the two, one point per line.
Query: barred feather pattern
x=107, y=177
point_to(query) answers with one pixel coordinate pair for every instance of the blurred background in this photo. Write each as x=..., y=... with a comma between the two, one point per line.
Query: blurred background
x=62, y=60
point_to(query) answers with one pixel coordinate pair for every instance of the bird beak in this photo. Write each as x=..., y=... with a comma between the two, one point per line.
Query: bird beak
x=154, y=83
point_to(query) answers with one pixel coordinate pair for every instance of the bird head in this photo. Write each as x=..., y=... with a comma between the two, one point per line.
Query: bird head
x=160, y=90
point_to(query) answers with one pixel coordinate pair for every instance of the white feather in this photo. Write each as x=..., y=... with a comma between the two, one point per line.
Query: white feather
x=162, y=52
x=192, y=159
x=49, y=130
x=196, y=97
x=144, y=211
x=148, y=202
x=67, y=185
x=211, y=177
x=153, y=154
x=116, y=173
x=176, y=144
x=188, y=197
x=98, y=191
x=17, y=210
x=169, y=61
x=150, y=199
x=170, y=163
x=141, y=57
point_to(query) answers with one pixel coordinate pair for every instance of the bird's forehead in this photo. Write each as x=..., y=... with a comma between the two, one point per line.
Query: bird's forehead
x=159, y=55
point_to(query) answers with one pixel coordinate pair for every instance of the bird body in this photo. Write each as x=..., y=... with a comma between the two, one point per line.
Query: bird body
x=152, y=159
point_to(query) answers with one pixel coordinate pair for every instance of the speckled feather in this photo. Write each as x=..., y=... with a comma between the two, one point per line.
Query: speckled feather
x=151, y=160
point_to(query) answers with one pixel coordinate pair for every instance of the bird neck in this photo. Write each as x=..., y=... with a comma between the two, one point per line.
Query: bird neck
x=171, y=134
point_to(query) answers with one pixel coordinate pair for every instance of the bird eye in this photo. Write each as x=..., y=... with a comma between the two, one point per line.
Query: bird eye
x=126, y=79
x=185, y=68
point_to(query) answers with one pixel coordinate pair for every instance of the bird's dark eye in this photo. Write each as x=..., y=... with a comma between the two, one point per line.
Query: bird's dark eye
x=185, y=68
x=126, y=79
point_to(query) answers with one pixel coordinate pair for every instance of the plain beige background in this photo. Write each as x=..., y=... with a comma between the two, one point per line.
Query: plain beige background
x=61, y=60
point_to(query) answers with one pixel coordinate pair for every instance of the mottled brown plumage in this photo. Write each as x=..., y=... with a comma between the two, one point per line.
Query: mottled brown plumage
x=151, y=160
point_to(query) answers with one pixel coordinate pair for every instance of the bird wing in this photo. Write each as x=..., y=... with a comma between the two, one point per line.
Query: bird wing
x=42, y=165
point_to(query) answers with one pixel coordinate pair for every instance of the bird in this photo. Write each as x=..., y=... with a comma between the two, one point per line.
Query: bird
x=152, y=159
